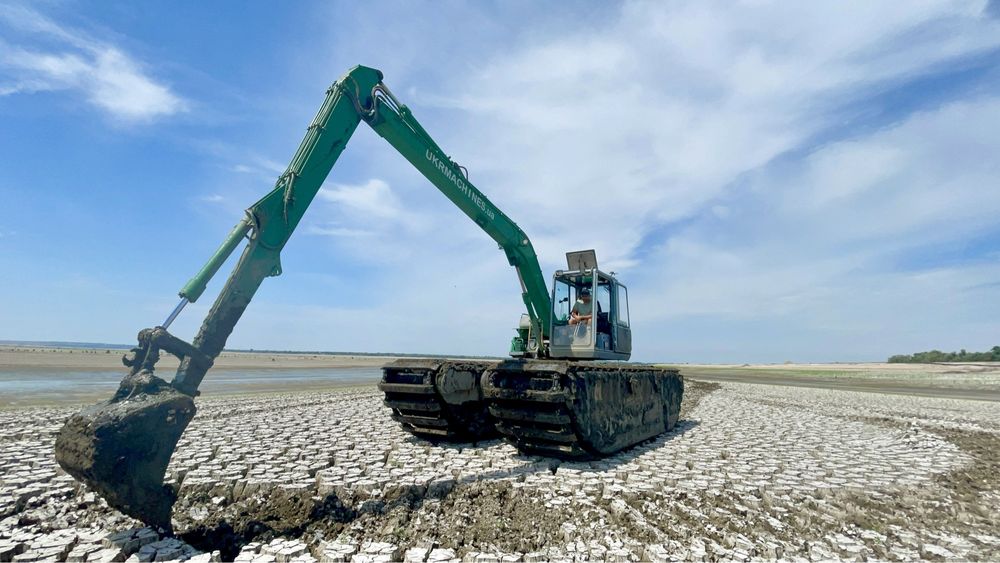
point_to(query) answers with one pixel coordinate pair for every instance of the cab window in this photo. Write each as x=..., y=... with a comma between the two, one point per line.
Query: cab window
x=563, y=303
x=604, y=296
x=622, y=305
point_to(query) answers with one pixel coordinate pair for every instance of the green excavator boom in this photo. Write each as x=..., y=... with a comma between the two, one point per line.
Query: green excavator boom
x=358, y=96
x=97, y=445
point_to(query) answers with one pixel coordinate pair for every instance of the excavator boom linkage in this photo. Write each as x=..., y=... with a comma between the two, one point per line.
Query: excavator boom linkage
x=121, y=447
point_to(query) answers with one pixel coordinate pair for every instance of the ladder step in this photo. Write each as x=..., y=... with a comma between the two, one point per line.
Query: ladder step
x=436, y=432
x=571, y=451
x=522, y=432
x=420, y=420
x=525, y=415
x=514, y=395
x=406, y=388
x=413, y=406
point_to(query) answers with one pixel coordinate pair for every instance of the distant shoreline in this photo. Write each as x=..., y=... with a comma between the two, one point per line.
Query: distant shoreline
x=23, y=357
x=977, y=381
x=61, y=345
x=88, y=356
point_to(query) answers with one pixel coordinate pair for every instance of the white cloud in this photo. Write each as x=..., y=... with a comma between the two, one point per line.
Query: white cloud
x=370, y=210
x=260, y=166
x=333, y=230
x=677, y=113
x=374, y=198
x=823, y=244
x=678, y=139
x=106, y=76
x=653, y=118
x=926, y=179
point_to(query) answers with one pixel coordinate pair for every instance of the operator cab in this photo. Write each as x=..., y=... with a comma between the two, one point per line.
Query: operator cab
x=607, y=335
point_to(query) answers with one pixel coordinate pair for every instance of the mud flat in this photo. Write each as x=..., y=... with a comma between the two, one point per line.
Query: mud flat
x=28, y=357
x=977, y=381
x=750, y=471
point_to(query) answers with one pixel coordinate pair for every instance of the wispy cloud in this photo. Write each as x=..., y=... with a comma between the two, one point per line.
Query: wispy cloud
x=724, y=157
x=813, y=244
x=259, y=166
x=334, y=230
x=772, y=179
x=51, y=57
x=653, y=122
x=371, y=209
x=374, y=198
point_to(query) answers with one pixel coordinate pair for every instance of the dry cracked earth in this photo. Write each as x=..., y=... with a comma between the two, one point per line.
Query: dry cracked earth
x=751, y=471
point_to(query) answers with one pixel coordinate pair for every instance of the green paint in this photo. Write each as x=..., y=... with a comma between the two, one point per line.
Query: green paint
x=358, y=96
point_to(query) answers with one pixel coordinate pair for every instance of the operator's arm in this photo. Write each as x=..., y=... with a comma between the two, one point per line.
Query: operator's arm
x=575, y=317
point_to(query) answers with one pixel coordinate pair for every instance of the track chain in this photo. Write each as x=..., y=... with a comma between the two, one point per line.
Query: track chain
x=412, y=390
x=533, y=403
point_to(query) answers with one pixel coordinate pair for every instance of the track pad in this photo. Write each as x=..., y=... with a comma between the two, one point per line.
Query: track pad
x=121, y=448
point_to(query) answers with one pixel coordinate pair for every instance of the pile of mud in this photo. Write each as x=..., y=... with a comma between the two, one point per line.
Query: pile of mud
x=447, y=514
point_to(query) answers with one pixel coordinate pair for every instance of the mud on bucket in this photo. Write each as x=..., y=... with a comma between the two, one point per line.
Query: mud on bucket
x=121, y=448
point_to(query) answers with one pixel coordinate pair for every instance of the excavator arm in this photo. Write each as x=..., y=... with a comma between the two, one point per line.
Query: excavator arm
x=358, y=96
x=121, y=448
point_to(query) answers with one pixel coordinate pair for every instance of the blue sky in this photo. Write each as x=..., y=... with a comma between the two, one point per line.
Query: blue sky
x=774, y=181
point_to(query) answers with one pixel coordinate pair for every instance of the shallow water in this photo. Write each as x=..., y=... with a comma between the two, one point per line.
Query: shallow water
x=52, y=386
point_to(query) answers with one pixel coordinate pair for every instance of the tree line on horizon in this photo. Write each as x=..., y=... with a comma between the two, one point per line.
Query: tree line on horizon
x=932, y=356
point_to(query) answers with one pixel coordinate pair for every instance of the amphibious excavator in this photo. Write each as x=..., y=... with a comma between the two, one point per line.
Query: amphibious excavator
x=565, y=391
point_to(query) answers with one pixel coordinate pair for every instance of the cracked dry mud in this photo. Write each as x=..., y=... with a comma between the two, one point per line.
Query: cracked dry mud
x=750, y=471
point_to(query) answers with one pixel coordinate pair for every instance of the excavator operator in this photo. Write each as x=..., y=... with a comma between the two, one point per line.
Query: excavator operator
x=583, y=309
x=583, y=312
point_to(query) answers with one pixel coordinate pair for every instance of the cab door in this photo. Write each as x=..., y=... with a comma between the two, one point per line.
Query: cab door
x=621, y=326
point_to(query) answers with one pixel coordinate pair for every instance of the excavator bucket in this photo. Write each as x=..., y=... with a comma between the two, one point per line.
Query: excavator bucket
x=120, y=449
